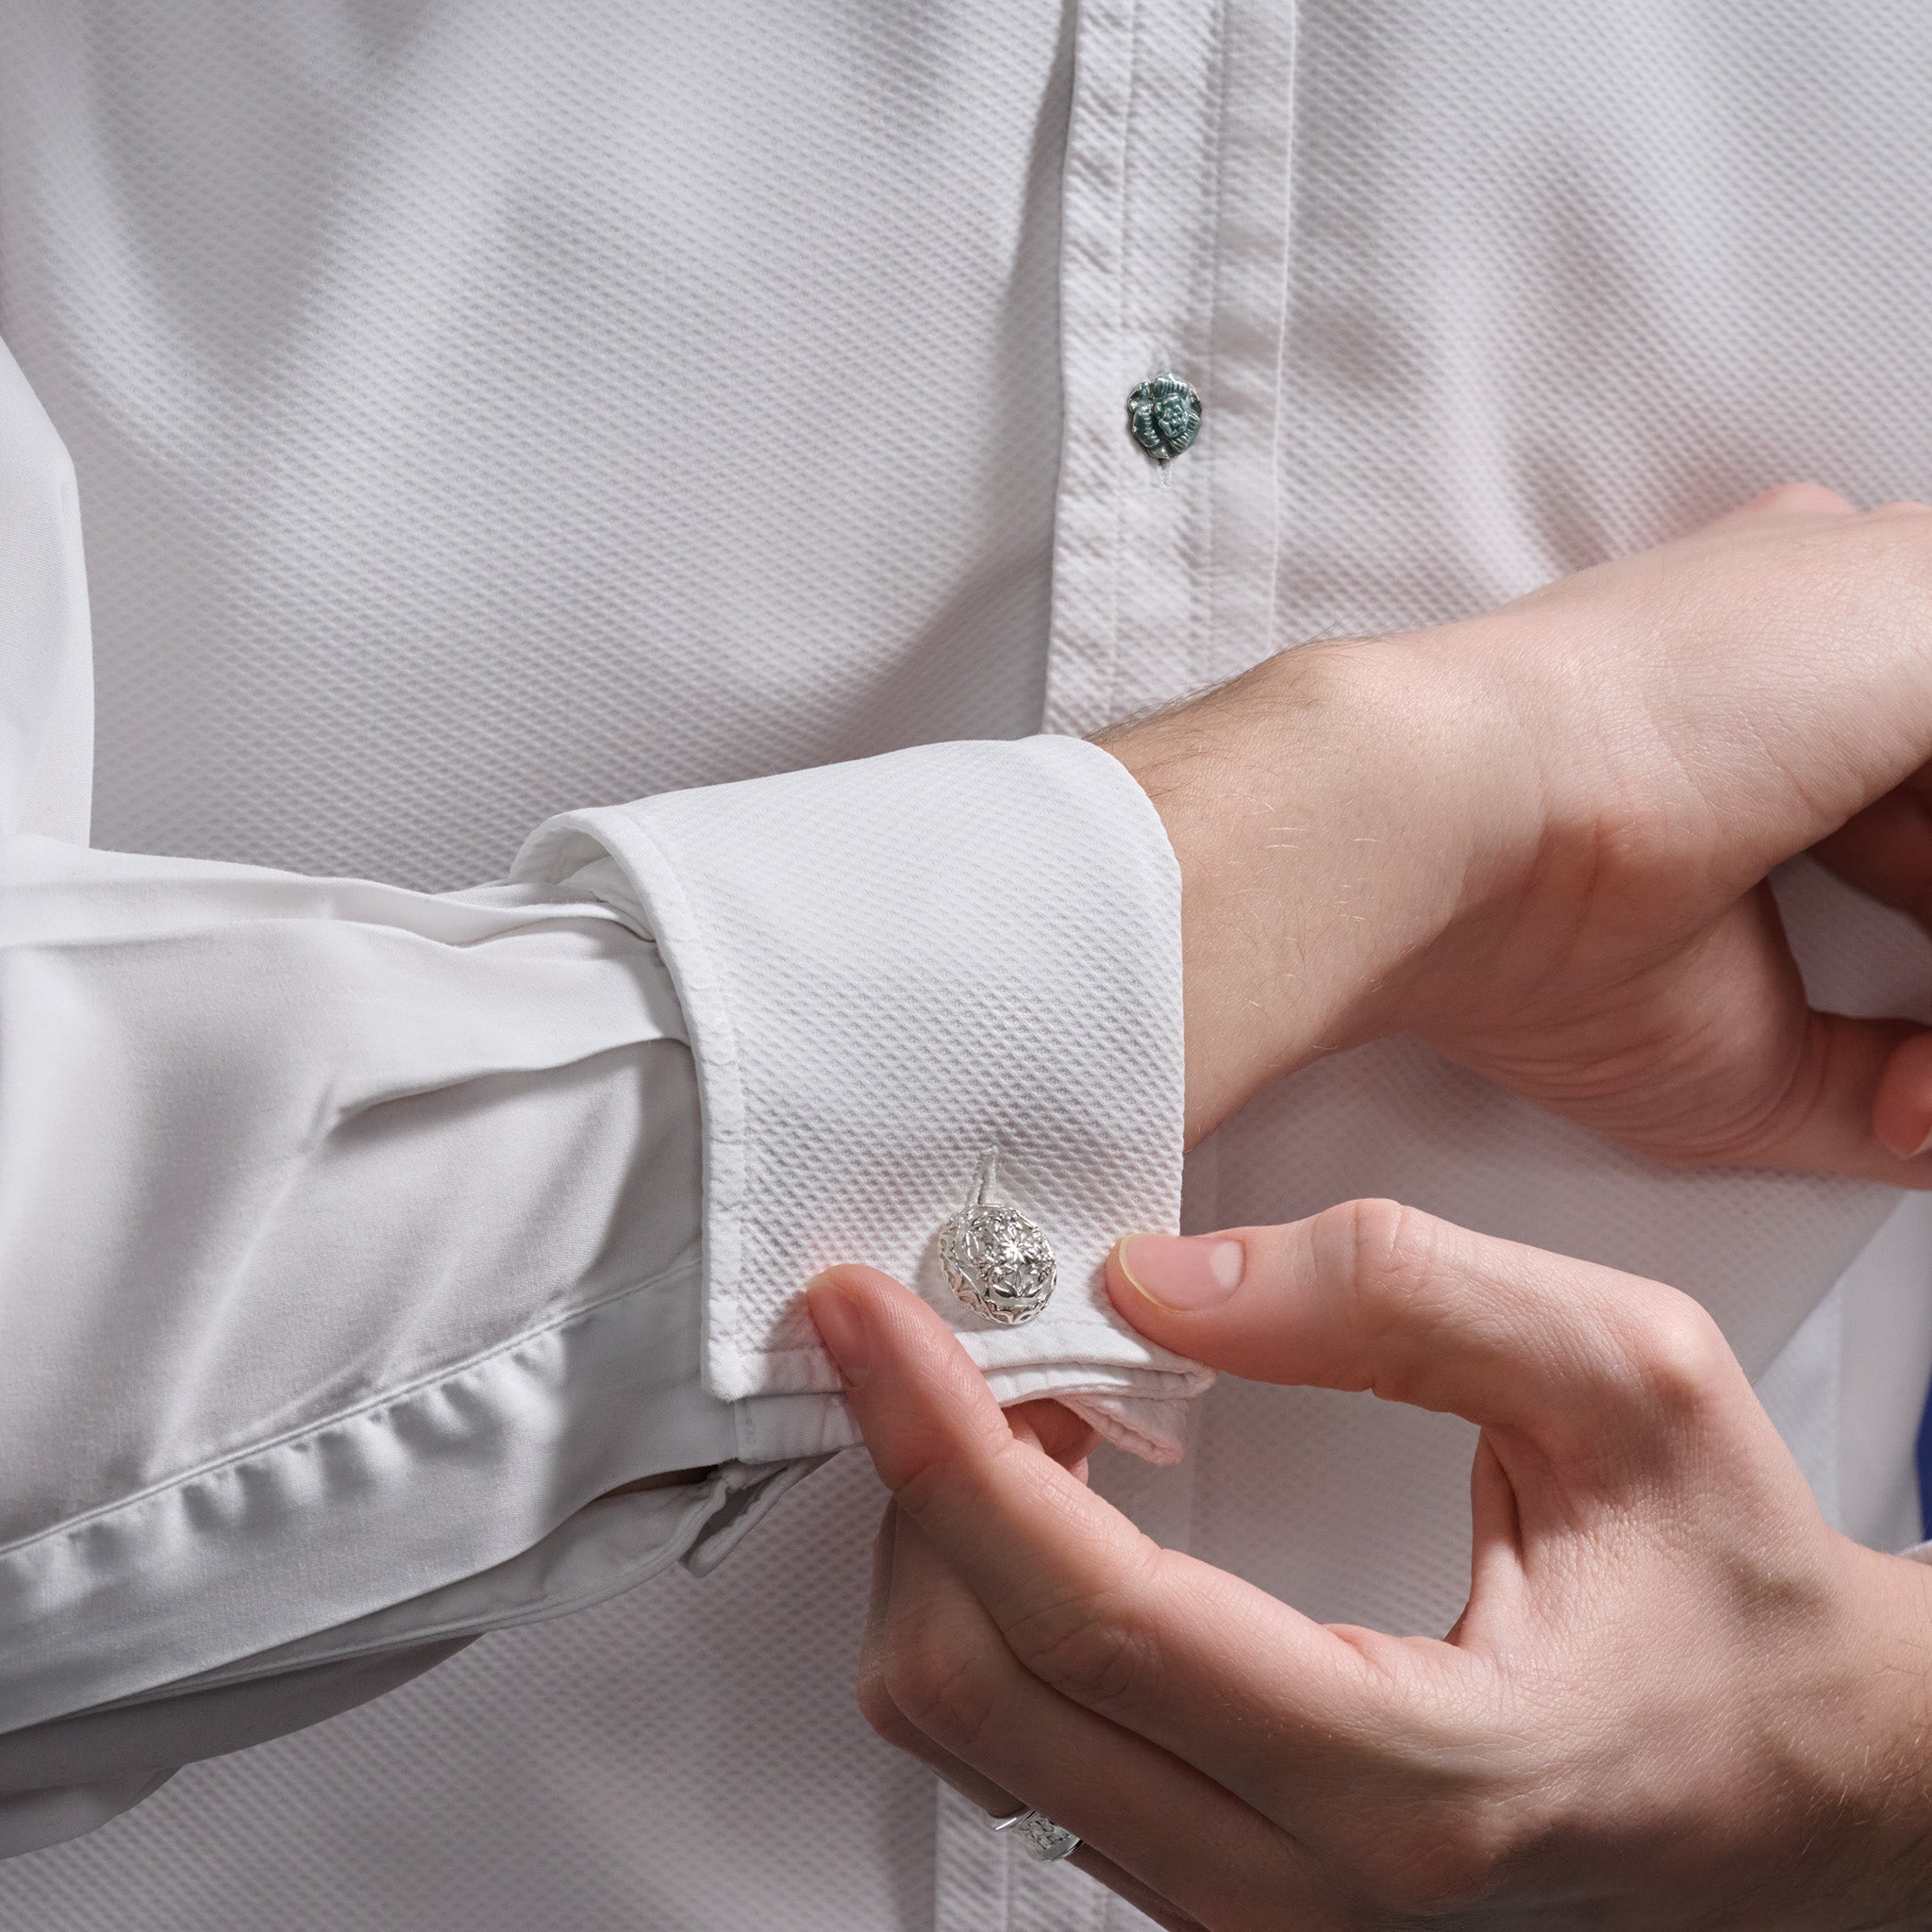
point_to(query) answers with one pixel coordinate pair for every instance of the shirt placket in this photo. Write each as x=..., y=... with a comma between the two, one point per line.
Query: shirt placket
x=1175, y=256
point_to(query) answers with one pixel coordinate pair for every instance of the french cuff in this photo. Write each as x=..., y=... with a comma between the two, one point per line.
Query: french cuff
x=888, y=968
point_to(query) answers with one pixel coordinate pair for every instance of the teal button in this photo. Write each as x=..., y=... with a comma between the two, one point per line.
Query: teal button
x=1164, y=417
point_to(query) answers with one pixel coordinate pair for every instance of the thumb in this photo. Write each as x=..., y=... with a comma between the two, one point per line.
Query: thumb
x=1371, y=1295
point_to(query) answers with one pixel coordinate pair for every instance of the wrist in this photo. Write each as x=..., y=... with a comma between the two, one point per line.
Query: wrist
x=1336, y=812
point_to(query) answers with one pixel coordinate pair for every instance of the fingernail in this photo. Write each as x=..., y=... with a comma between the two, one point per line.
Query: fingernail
x=1906, y=1151
x=1184, y=1272
x=841, y=1327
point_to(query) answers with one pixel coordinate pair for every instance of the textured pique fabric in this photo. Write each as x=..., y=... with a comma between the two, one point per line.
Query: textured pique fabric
x=847, y=943
x=479, y=416
x=577, y=386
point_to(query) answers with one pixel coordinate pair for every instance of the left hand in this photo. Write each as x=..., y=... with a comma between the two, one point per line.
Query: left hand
x=1677, y=1697
x=1538, y=840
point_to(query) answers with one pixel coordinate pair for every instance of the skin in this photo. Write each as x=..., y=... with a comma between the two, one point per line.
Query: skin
x=1538, y=840
x=1677, y=1698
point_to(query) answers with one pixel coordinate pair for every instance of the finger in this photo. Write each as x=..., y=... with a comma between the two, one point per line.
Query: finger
x=1738, y=1069
x=1847, y=1092
x=1170, y=1918
x=1779, y=1082
x=1872, y=1107
x=1604, y=1372
x=876, y=1702
x=1055, y=1430
x=1885, y=850
x=892, y=1725
x=1158, y=1820
x=1746, y=1073
x=881, y=1583
x=1164, y=1645
x=1901, y=1114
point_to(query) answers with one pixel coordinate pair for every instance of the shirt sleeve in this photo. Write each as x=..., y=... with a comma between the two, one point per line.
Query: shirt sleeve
x=349, y=1247
x=356, y=1244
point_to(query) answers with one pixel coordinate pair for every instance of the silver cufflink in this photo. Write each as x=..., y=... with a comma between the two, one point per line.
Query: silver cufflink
x=997, y=1262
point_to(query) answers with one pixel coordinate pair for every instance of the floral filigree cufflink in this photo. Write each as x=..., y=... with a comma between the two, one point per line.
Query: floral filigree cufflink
x=997, y=1262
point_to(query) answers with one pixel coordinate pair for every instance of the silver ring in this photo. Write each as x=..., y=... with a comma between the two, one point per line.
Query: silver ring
x=1041, y=1839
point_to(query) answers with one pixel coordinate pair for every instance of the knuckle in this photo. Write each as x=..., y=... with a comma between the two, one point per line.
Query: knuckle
x=1382, y=1253
x=1090, y=1648
x=1675, y=1353
x=1893, y=543
x=1383, y=1261
x=888, y=1722
x=930, y=1489
x=875, y=1703
x=939, y=1683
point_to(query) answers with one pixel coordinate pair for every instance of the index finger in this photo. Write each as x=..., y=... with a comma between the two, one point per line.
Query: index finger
x=1217, y=1672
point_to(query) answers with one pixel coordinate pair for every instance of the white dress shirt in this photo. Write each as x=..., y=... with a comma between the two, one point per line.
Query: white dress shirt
x=483, y=419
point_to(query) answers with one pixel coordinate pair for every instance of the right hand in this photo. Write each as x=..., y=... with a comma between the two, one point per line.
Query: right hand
x=1677, y=1698
x=1538, y=839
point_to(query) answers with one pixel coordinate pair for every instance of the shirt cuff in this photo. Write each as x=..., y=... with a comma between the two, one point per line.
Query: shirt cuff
x=887, y=968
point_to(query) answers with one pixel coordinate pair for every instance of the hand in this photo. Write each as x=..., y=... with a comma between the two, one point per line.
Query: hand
x=1677, y=1697
x=1539, y=839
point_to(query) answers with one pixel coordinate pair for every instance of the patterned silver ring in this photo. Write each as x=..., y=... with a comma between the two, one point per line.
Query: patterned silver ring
x=1041, y=1839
